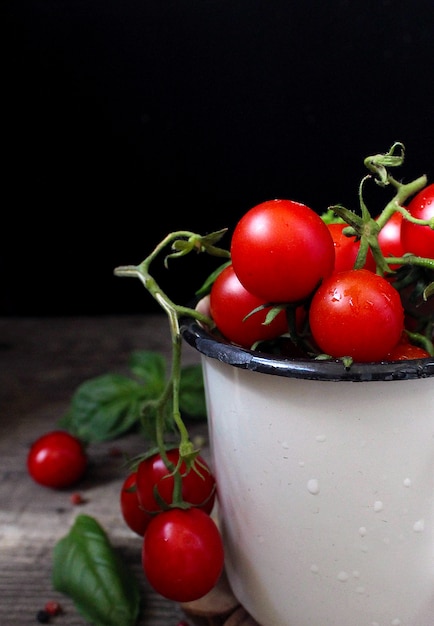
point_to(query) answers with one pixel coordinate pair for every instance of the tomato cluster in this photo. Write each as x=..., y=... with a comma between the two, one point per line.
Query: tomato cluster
x=294, y=282
x=286, y=259
x=182, y=549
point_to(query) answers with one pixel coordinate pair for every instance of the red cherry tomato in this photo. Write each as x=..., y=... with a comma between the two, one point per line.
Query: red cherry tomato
x=198, y=487
x=346, y=249
x=389, y=238
x=281, y=250
x=182, y=554
x=134, y=516
x=57, y=460
x=358, y=314
x=416, y=238
x=230, y=302
x=405, y=351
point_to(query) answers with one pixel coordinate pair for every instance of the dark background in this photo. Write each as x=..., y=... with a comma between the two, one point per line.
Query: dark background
x=124, y=121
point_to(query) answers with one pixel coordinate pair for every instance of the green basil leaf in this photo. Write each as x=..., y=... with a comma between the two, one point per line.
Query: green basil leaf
x=150, y=367
x=104, y=407
x=90, y=571
x=192, y=392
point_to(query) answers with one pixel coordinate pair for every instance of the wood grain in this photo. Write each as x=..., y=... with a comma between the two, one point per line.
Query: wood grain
x=42, y=361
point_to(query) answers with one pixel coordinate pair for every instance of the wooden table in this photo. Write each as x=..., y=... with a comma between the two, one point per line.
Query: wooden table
x=42, y=361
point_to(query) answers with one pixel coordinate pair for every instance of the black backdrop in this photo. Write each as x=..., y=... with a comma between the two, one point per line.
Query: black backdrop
x=127, y=120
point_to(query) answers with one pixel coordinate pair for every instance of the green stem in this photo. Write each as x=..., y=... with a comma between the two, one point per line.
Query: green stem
x=411, y=259
x=403, y=192
x=422, y=341
x=367, y=228
x=182, y=242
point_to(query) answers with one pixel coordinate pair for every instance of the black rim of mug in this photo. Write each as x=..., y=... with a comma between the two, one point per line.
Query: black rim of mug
x=309, y=369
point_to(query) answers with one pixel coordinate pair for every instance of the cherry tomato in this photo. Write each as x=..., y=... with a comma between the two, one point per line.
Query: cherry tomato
x=346, y=249
x=198, y=485
x=182, y=554
x=281, y=250
x=416, y=238
x=405, y=351
x=134, y=516
x=230, y=302
x=389, y=238
x=358, y=314
x=57, y=459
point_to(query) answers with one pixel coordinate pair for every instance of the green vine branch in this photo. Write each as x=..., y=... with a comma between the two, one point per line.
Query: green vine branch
x=181, y=243
x=366, y=228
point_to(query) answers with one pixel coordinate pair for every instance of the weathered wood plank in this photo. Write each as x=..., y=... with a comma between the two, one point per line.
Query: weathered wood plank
x=41, y=363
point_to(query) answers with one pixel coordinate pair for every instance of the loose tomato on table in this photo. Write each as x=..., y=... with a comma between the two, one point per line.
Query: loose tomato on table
x=198, y=484
x=133, y=514
x=281, y=250
x=356, y=314
x=182, y=554
x=57, y=459
x=416, y=238
x=230, y=303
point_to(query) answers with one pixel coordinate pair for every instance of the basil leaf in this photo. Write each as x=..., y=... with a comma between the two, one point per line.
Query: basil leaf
x=104, y=407
x=86, y=568
x=150, y=367
x=108, y=406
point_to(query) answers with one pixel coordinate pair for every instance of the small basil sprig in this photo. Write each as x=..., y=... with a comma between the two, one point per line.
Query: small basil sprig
x=108, y=406
x=90, y=571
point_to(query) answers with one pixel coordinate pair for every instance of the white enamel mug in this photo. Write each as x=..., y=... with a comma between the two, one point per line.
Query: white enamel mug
x=325, y=485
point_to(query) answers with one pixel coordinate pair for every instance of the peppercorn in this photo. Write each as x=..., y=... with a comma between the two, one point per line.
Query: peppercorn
x=42, y=616
x=77, y=499
x=52, y=607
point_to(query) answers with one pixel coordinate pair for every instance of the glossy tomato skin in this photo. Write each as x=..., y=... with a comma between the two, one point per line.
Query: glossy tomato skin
x=57, y=460
x=198, y=490
x=182, y=554
x=230, y=302
x=347, y=249
x=357, y=314
x=389, y=238
x=281, y=250
x=133, y=514
x=405, y=351
x=416, y=238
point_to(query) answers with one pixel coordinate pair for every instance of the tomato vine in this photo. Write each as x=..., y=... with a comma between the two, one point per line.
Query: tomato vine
x=360, y=225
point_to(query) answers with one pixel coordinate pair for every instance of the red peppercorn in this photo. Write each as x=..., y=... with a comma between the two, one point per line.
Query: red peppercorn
x=77, y=498
x=53, y=608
